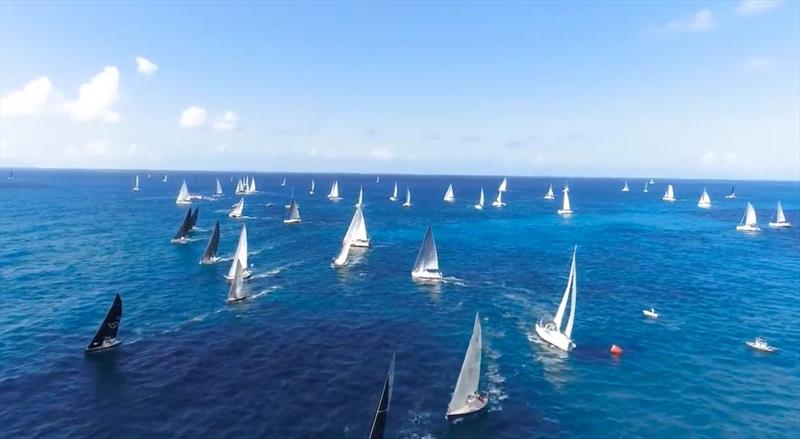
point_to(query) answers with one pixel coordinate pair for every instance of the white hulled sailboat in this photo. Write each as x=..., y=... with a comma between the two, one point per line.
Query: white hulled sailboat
x=448, y=195
x=426, y=267
x=136, y=185
x=240, y=257
x=749, y=222
x=183, y=195
x=293, y=214
x=283, y=183
x=479, y=206
x=408, y=198
x=466, y=397
x=236, y=212
x=356, y=236
x=251, y=189
x=165, y=179
x=566, y=208
x=550, y=195
x=626, y=188
x=779, y=218
x=498, y=202
x=334, y=194
x=669, y=195
x=311, y=192
x=393, y=197
x=550, y=331
x=645, y=186
x=218, y=191
x=236, y=291
x=705, y=200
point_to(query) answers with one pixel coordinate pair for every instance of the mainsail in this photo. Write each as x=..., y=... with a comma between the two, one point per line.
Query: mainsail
x=480, y=200
x=470, y=375
x=705, y=200
x=311, y=192
x=183, y=195
x=394, y=192
x=357, y=230
x=749, y=218
x=136, y=184
x=218, y=191
x=566, y=208
x=379, y=420
x=252, y=188
x=210, y=254
x=625, y=188
x=498, y=202
x=571, y=290
x=503, y=185
x=669, y=195
x=550, y=194
x=427, y=258
x=236, y=212
x=107, y=332
x=334, y=194
x=293, y=215
x=241, y=254
x=449, y=196
x=194, y=217
x=779, y=215
x=236, y=291
x=183, y=230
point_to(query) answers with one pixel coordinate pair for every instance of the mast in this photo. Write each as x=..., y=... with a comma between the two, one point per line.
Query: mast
x=470, y=375
x=211, y=249
x=379, y=420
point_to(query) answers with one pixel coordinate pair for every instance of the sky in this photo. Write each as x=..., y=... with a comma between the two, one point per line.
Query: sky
x=681, y=89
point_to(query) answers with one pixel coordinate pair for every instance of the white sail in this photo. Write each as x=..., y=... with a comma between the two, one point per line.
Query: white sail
x=480, y=201
x=236, y=212
x=625, y=188
x=550, y=195
x=498, y=202
x=283, y=183
x=566, y=208
x=749, y=216
x=470, y=375
x=779, y=215
x=427, y=263
x=551, y=331
x=136, y=185
x=183, y=195
x=236, y=291
x=394, y=193
x=252, y=188
x=238, y=190
x=503, y=186
x=165, y=179
x=669, y=195
x=240, y=256
x=356, y=234
x=408, y=198
x=571, y=319
x=645, y=186
x=341, y=258
x=360, y=196
x=293, y=216
x=378, y=179
x=218, y=192
x=449, y=196
x=334, y=195
x=311, y=192
x=704, y=201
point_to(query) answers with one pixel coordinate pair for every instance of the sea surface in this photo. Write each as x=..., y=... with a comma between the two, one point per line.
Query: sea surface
x=307, y=356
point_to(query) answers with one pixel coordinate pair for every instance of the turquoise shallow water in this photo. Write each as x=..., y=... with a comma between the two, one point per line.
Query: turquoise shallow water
x=307, y=356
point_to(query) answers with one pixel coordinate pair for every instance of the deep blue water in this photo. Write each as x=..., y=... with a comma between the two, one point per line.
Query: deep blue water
x=307, y=357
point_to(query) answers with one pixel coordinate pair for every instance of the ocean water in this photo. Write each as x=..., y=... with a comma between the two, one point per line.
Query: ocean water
x=306, y=357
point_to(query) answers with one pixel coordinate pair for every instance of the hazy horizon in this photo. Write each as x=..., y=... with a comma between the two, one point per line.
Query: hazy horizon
x=695, y=90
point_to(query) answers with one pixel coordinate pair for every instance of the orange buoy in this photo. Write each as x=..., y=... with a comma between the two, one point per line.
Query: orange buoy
x=615, y=350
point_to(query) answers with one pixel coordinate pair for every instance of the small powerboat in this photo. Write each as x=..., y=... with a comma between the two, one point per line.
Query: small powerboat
x=650, y=313
x=760, y=344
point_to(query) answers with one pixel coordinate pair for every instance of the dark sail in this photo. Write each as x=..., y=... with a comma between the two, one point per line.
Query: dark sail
x=183, y=230
x=213, y=243
x=379, y=421
x=107, y=332
x=194, y=217
x=294, y=212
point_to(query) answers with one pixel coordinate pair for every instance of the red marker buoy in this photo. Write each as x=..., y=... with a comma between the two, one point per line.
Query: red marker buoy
x=615, y=350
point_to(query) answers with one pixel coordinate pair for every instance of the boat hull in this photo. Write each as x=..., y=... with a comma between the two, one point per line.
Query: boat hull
x=668, y=199
x=179, y=241
x=554, y=338
x=291, y=221
x=564, y=212
x=760, y=348
x=747, y=228
x=474, y=406
x=103, y=347
x=704, y=205
x=360, y=243
x=423, y=275
x=649, y=314
x=392, y=198
x=549, y=197
x=478, y=207
x=496, y=204
x=782, y=225
x=209, y=261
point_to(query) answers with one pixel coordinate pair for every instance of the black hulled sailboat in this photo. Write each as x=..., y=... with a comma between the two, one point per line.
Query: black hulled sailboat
x=106, y=336
x=210, y=255
x=379, y=420
x=182, y=235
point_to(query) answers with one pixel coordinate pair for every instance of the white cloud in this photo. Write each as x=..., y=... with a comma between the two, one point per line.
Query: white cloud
x=708, y=158
x=755, y=7
x=383, y=153
x=701, y=21
x=193, y=117
x=31, y=99
x=97, y=148
x=759, y=63
x=96, y=97
x=145, y=66
x=228, y=121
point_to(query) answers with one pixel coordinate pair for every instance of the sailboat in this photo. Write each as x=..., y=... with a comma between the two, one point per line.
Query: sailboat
x=626, y=188
x=779, y=218
x=165, y=179
x=379, y=420
x=356, y=236
x=241, y=188
x=182, y=235
x=283, y=183
x=408, y=198
x=498, y=202
x=183, y=195
x=236, y=212
x=645, y=186
x=210, y=254
x=241, y=257
x=550, y=195
x=731, y=195
x=293, y=215
x=669, y=195
x=550, y=331
x=193, y=221
x=311, y=192
x=394, y=193
x=449, y=196
x=479, y=206
x=426, y=267
x=10, y=175
x=748, y=222
x=566, y=209
x=503, y=185
x=251, y=189
x=705, y=200
x=360, y=202
x=378, y=179
x=334, y=195
x=236, y=291
x=651, y=181
x=218, y=191
x=106, y=335
x=136, y=185
x=466, y=397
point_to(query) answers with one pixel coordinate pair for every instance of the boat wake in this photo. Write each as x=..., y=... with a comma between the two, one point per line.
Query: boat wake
x=265, y=292
x=454, y=280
